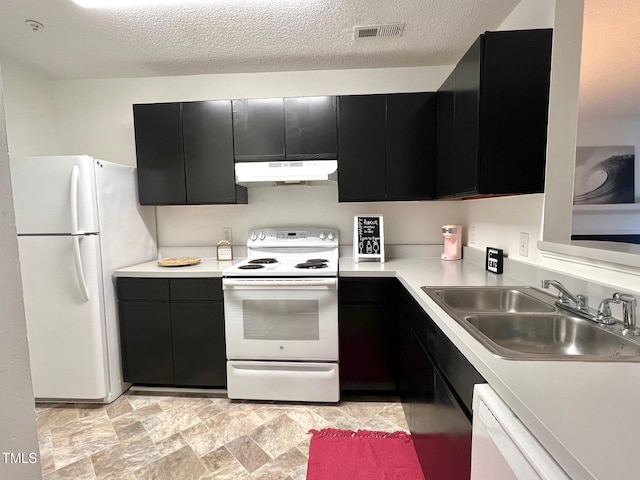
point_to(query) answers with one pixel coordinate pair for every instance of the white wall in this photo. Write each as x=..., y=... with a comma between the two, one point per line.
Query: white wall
x=498, y=222
x=29, y=110
x=17, y=408
x=405, y=223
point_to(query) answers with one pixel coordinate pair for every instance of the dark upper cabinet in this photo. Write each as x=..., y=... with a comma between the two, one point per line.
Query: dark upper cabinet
x=492, y=117
x=410, y=153
x=158, y=132
x=207, y=132
x=185, y=154
x=297, y=128
x=362, y=140
x=386, y=147
x=258, y=129
x=310, y=127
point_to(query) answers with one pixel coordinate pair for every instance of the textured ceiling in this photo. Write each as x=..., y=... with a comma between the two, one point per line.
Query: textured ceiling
x=224, y=36
x=227, y=36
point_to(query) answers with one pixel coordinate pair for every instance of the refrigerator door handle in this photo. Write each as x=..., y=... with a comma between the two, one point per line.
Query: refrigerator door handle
x=73, y=199
x=84, y=289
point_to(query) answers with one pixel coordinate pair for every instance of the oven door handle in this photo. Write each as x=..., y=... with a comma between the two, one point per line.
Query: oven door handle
x=290, y=283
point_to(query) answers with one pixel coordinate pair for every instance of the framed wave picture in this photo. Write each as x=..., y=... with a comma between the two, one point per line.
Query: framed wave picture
x=604, y=175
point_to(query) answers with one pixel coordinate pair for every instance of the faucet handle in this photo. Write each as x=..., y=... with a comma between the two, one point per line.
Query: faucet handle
x=604, y=316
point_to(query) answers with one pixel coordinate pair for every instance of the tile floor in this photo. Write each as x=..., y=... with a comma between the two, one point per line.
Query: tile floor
x=153, y=436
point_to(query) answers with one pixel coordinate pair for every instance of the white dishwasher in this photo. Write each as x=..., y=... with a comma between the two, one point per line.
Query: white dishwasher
x=502, y=447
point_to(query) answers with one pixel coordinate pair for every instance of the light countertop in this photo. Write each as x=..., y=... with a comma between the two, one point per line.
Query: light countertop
x=208, y=267
x=583, y=413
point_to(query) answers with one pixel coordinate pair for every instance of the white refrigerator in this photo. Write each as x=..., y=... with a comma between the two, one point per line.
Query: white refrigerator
x=78, y=219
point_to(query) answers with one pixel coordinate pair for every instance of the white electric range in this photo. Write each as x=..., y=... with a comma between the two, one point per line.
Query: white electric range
x=281, y=316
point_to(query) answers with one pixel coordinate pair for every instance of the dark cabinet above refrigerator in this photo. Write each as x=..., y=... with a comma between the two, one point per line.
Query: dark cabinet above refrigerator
x=185, y=154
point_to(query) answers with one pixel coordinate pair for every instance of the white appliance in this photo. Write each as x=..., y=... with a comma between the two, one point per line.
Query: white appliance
x=78, y=219
x=297, y=171
x=502, y=447
x=281, y=317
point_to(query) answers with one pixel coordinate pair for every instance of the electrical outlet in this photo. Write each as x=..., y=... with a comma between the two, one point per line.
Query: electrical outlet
x=524, y=244
x=472, y=234
x=227, y=234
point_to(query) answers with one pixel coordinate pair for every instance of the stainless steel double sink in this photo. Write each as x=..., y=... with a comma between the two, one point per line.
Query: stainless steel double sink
x=522, y=323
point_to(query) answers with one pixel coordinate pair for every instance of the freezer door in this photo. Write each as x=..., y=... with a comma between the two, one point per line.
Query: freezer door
x=64, y=310
x=54, y=195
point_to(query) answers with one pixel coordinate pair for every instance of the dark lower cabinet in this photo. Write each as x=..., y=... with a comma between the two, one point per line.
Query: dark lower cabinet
x=199, y=356
x=172, y=331
x=436, y=385
x=146, y=346
x=367, y=326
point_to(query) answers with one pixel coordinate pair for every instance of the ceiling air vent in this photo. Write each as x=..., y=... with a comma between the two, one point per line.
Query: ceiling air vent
x=372, y=31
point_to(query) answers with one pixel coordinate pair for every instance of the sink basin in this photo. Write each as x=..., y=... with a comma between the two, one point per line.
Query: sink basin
x=492, y=299
x=523, y=323
x=551, y=334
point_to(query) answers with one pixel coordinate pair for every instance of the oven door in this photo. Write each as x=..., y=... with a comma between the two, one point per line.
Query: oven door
x=281, y=318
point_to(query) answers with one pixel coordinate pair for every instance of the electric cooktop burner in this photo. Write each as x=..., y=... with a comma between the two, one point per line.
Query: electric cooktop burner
x=261, y=261
x=250, y=267
x=317, y=260
x=312, y=265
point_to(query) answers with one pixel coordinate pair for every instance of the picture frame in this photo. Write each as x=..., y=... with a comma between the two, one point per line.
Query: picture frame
x=604, y=175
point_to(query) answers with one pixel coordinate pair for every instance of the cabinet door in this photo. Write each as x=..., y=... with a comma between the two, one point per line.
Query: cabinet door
x=208, y=152
x=515, y=100
x=463, y=167
x=145, y=335
x=158, y=136
x=368, y=347
x=445, y=138
x=310, y=128
x=362, y=140
x=440, y=429
x=410, y=151
x=258, y=129
x=199, y=355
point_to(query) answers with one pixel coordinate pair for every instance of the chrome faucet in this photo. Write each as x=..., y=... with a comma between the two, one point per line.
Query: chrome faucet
x=629, y=305
x=604, y=312
x=565, y=297
x=579, y=304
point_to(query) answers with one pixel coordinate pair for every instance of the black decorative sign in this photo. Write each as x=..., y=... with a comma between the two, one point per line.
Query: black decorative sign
x=368, y=237
x=495, y=259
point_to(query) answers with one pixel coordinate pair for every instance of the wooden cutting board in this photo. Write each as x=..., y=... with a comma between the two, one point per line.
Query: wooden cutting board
x=178, y=261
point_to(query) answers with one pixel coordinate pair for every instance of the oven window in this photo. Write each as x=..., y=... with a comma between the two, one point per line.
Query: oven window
x=281, y=319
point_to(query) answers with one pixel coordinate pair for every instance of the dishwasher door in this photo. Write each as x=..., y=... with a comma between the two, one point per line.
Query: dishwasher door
x=502, y=447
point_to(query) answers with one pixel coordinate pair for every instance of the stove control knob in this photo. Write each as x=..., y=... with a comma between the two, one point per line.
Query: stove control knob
x=253, y=236
x=262, y=236
x=322, y=235
x=331, y=236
